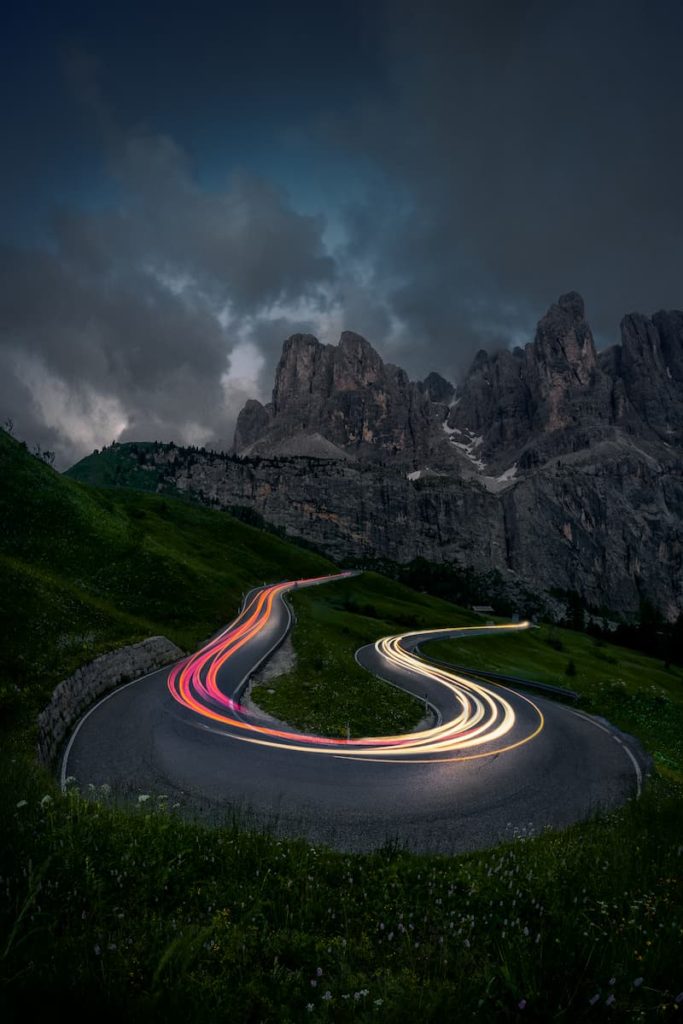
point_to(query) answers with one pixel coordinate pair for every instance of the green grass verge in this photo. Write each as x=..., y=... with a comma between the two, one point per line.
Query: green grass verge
x=639, y=694
x=328, y=691
x=141, y=916
x=86, y=570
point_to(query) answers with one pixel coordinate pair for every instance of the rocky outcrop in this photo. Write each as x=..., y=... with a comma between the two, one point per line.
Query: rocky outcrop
x=438, y=390
x=649, y=365
x=345, y=394
x=557, y=465
x=74, y=696
x=604, y=521
x=551, y=397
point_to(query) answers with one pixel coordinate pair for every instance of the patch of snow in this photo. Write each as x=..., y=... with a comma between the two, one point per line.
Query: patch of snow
x=449, y=431
x=499, y=483
x=509, y=474
x=468, y=446
x=420, y=474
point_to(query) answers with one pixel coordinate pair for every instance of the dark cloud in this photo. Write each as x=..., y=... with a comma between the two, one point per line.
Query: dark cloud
x=474, y=161
x=135, y=309
x=536, y=148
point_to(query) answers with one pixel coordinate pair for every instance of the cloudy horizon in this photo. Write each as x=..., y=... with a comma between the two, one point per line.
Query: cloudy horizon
x=184, y=192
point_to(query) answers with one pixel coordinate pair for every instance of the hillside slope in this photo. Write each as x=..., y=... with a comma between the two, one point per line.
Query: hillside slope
x=85, y=570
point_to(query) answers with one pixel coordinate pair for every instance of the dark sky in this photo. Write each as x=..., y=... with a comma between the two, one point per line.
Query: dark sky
x=184, y=185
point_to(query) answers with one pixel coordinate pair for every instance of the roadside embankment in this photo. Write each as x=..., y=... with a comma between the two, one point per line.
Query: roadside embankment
x=72, y=697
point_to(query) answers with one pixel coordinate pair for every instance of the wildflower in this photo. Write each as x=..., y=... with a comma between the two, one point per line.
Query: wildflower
x=594, y=999
x=314, y=983
x=378, y=1002
x=638, y=982
x=521, y=1004
x=143, y=797
x=327, y=996
x=309, y=1006
x=97, y=950
x=679, y=998
x=610, y=1000
x=319, y=971
x=46, y=800
x=613, y=981
x=22, y=803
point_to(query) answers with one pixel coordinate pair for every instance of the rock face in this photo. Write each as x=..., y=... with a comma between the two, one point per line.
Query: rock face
x=559, y=466
x=548, y=398
x=345, y=394
x=649, y=365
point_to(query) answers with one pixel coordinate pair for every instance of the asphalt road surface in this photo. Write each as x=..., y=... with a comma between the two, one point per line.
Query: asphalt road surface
x=494, y=765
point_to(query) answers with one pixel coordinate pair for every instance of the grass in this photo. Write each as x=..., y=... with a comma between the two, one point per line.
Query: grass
x=139, y=916
x=639, y=694
x=86, y=570
x=142, y=916
x=328, y=692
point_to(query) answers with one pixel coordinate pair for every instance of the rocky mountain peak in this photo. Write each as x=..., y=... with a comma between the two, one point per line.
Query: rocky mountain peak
x=356, y=363
x=437, y=388
x=510, y=398
x=344, y=394
x=572, y=303
x=252, y=423
x=564, y=343
x=521, y=407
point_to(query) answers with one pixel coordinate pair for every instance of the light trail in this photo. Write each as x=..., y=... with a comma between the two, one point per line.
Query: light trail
x=482, y=723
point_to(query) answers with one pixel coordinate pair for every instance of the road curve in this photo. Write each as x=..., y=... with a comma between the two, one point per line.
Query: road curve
x=495, y=764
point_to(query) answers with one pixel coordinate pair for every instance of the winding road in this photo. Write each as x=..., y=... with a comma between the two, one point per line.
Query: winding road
x=494, y=765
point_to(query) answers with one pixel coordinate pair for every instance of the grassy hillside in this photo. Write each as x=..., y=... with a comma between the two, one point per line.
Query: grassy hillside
x=119, y=466
x=641, y=695
x=139, y=916
x=85, y=570
x=328, y=692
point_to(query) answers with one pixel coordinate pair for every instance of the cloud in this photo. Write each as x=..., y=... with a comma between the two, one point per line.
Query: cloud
x=494, y=156
x=125, y=322
x=527, y=148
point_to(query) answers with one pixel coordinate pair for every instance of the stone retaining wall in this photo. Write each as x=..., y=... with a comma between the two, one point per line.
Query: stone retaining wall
x=73, y=696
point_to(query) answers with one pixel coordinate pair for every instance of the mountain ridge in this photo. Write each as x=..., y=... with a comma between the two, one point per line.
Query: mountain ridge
x=555, y=464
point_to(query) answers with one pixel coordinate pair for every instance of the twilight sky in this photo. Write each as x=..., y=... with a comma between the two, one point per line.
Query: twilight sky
x=184, y=185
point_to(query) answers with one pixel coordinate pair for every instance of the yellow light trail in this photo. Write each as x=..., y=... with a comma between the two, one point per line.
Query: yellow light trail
x=480, y=726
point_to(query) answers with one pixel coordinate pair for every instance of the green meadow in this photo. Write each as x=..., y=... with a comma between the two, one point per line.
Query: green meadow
x=140, y=915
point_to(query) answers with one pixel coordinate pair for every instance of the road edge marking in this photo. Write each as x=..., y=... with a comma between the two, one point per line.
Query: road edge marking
x=627, y=750
x=81, y=721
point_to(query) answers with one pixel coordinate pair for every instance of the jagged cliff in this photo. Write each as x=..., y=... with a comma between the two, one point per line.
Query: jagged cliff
x=555, y=464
